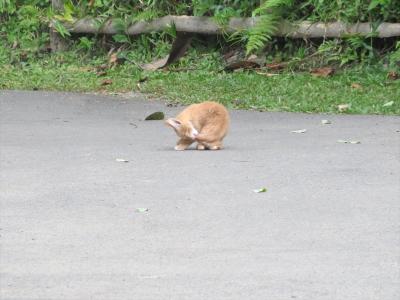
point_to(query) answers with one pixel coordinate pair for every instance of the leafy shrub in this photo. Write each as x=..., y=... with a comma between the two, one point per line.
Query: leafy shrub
x=24, y=23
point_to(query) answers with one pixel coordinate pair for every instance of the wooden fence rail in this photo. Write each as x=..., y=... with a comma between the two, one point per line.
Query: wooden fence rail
x=207, y=25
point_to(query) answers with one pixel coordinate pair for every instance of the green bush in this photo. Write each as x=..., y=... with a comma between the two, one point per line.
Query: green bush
x=24, y=23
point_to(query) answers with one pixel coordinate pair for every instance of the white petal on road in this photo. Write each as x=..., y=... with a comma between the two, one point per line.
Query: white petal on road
x=299, y=131
x=121, y=160
x=348, y=142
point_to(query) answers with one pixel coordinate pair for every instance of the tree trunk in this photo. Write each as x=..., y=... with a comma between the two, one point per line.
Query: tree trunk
x=57, y=43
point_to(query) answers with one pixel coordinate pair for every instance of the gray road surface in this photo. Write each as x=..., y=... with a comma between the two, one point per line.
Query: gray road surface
x=327, y=228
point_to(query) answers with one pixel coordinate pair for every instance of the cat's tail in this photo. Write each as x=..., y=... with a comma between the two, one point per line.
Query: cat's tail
x=212, y=133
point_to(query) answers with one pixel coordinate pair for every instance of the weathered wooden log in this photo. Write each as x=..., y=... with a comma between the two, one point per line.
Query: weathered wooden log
x=207, y=25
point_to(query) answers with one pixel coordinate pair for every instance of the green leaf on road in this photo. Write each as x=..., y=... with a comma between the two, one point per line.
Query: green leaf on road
x=155, y=116
x=262, y=190
x=142, y=209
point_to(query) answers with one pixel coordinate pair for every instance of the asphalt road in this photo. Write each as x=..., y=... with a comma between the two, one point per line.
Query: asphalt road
x=327, y=228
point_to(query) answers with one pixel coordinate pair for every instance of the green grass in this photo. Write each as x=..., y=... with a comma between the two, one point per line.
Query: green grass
x=289, y=91
x=284, y=92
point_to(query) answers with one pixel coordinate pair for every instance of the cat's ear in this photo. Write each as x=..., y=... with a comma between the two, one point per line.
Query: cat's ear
x=174, y=123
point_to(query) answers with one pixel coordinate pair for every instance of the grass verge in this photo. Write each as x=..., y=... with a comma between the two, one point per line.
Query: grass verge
x=367, y=90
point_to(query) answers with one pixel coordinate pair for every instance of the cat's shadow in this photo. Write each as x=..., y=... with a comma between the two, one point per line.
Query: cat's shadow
x=193, y=149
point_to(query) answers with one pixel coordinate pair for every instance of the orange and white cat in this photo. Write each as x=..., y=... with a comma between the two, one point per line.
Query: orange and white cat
x=206, y=123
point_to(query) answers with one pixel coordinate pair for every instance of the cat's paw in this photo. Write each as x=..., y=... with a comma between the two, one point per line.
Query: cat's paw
x=201, y=147
x=215, y=147
x=180, y=148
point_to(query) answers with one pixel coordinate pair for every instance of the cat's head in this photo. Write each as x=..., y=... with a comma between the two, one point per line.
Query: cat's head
x=184, y=130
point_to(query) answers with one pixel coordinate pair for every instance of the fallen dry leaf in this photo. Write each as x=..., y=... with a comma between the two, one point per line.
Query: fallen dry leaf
x=275, y=66
x=157, y=64
x=106, y=82
x=84, y=69
x=252, y=57
x=113, y=59
x=101, y=73
x=102, y=67
x=356, y=86
x=393, y=75
x=322, y=72
x=229, y=54
x=267, y=74
x=242, y=64
x=343, y=107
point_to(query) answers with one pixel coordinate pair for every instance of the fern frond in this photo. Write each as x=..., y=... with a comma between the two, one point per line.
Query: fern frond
x=266, y=26
x=238, y=37
x=146, y=15
x=271, y=5
x=262, y=32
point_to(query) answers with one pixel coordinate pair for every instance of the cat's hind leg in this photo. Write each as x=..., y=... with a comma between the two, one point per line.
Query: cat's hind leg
x=209, y=146
x=215, y=145
x=209, y=141
x=211, y=136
